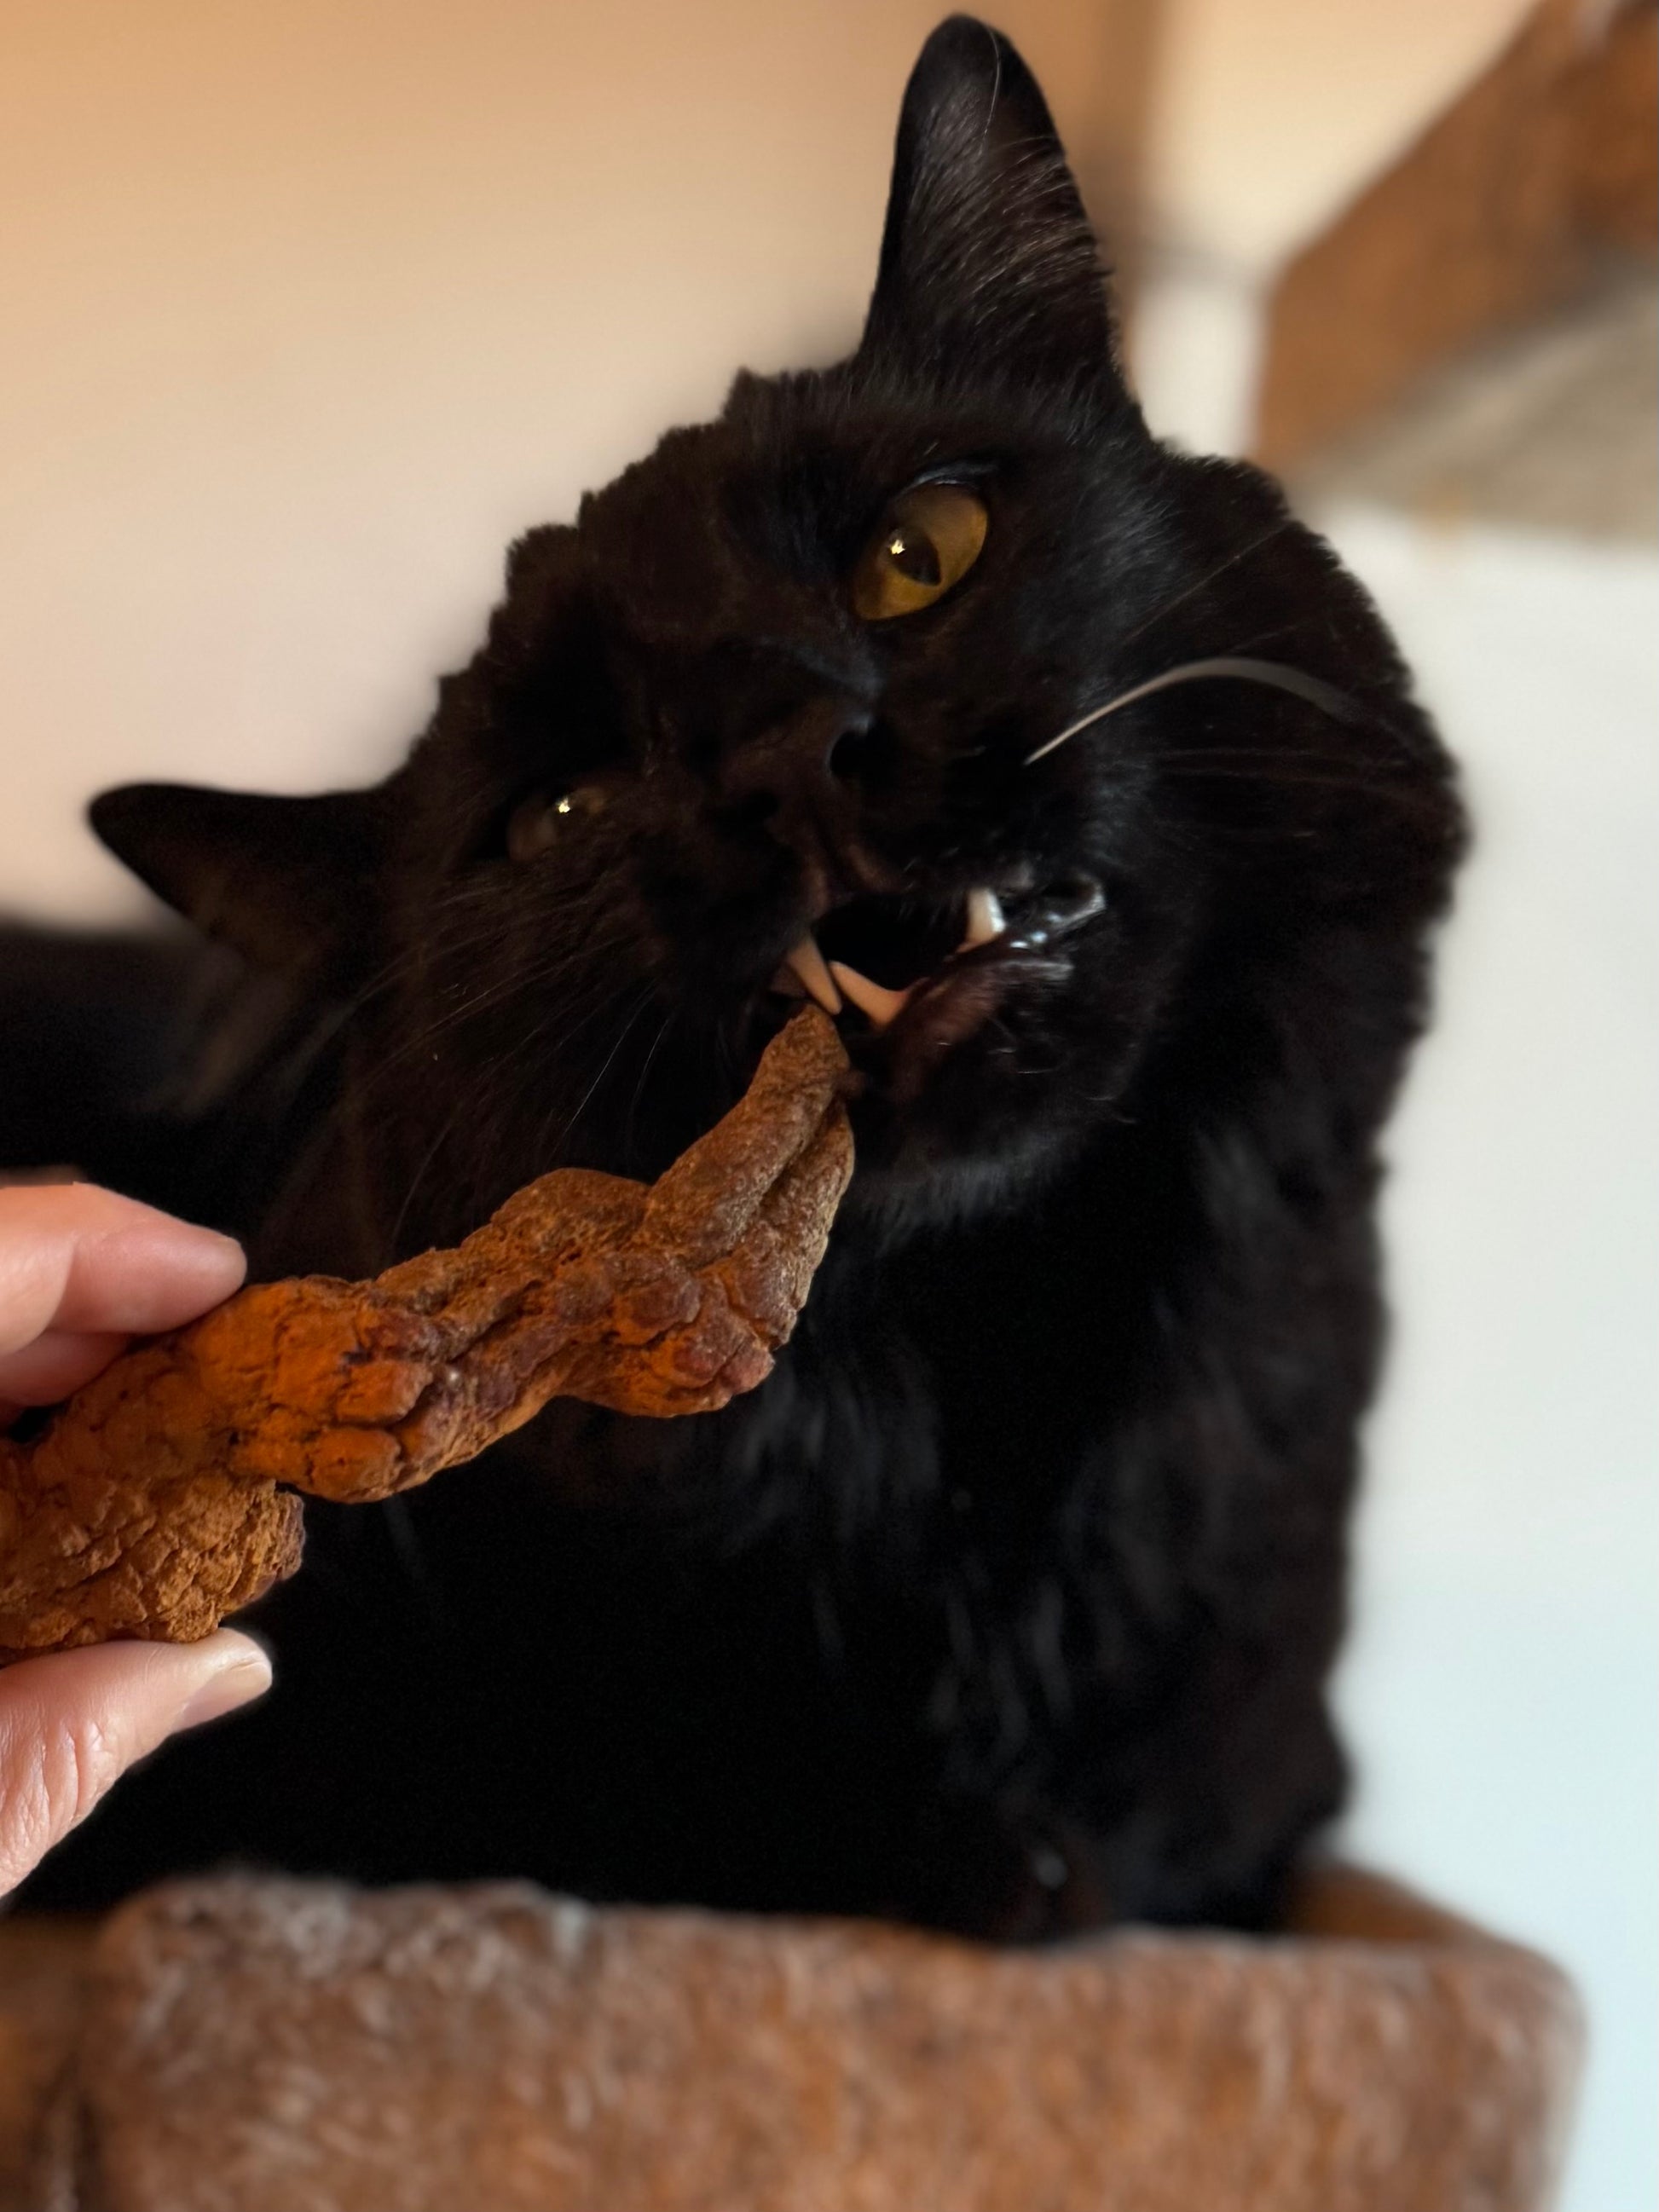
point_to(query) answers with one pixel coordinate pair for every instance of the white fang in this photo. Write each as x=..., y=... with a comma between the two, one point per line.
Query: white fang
x=985, y=918
x=872, y=998
x=808, y=963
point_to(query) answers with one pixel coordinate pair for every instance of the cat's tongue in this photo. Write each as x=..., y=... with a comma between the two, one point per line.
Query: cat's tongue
x=832, y=981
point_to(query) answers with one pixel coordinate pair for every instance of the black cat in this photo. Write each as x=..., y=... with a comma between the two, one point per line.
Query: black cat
x=1007, y=1603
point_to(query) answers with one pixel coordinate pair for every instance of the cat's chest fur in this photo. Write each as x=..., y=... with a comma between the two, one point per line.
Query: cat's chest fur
x=935, y=1609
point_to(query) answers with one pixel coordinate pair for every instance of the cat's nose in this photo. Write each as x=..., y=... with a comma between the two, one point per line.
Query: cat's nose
x=815, y=760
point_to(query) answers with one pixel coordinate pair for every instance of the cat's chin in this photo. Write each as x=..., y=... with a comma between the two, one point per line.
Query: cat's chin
x=919, y=1169
x=1031, y=954
x=962, y=1101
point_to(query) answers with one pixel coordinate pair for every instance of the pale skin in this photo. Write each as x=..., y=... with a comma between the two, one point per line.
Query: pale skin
x=81, y=1271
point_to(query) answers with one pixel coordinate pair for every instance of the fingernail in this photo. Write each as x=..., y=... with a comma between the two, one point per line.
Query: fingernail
x=243, y=1680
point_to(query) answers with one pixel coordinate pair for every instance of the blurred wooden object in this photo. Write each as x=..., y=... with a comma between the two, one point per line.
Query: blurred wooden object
x=1507, y=208
x=43, y=1968
x=248, y=2044
x=1111, y=161
x=1553, y=429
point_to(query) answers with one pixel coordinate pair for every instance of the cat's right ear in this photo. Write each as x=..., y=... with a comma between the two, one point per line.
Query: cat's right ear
x=988, y=265
x=288, y=882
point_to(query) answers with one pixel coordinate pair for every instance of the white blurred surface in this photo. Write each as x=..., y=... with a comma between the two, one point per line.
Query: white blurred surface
x=1502, y=1687
x=1195, y=350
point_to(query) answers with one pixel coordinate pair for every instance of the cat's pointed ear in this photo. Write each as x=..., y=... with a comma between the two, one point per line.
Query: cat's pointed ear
x=288, y=882
x=987, y=260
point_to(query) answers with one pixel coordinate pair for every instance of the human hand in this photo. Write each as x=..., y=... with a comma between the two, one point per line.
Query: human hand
x=80, y=1270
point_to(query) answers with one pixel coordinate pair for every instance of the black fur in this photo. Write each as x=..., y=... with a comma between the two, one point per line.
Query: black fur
x=1007, y=1603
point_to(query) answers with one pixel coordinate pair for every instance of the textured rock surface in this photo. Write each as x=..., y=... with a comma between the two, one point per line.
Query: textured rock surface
x=151, y=1506
x=256, y=2045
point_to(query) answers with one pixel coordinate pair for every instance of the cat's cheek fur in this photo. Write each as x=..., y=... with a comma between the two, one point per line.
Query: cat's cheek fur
x=1010, y=1090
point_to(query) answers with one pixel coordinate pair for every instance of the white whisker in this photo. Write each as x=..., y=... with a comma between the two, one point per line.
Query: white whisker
x=1325, y=696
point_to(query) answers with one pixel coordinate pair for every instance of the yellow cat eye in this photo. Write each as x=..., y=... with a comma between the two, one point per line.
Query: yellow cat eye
x=930, y=538
x=536, y=822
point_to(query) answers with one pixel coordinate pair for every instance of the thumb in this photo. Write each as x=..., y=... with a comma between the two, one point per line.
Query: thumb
x=71, y=1724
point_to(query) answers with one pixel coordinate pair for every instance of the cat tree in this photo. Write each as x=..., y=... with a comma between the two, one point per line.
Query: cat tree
x=270, y=2045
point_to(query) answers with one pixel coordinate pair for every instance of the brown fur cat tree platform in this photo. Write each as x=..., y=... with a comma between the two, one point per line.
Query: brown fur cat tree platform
x=250, y=2045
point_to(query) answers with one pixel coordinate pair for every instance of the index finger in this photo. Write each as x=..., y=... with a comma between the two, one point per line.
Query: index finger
x=77, y=1258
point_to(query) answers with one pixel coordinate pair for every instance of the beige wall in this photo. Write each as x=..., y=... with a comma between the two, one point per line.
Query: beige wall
x=1272, y=112
x=308, y=306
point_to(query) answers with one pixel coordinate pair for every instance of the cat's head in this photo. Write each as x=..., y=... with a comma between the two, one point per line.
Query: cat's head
x=760, y=722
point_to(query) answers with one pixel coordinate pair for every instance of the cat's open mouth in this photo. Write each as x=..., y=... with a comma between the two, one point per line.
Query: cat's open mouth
x=937, y=966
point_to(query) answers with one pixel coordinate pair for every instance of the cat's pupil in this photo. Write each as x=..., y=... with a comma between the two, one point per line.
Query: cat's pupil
x=535, y=823
x=914, y=554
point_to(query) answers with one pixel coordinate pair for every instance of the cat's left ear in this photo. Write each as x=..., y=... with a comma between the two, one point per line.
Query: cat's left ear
x=987, y=260
x=288, y=882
